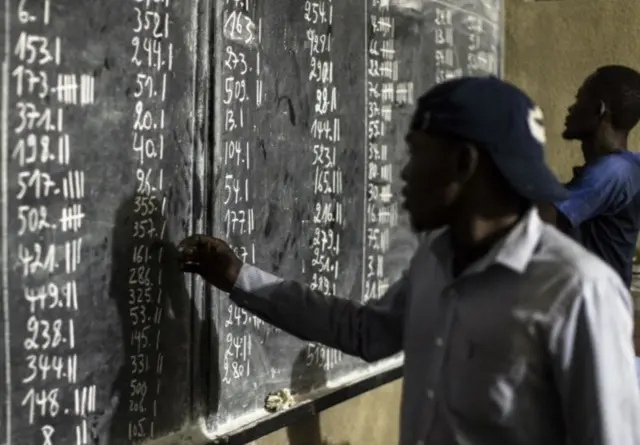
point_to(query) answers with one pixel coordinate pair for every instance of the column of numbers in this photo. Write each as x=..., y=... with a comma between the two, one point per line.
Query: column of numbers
x=480, y=60
x=381, y=212
x=447, y=67
x=50, y=196
x=241, y=92
x=152, y=56
x=327, y=177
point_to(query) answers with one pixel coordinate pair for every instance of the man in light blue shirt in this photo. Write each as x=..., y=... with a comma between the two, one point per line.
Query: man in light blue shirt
x=513, y=334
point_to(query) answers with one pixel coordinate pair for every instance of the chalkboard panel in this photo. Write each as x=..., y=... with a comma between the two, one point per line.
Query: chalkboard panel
x=97, y=187
x=312, y=101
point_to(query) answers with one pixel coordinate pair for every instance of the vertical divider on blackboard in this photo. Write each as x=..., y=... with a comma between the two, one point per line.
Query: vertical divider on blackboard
x=204, y=131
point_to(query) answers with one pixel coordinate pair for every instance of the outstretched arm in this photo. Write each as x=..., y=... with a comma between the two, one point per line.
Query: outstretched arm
x=370, y=331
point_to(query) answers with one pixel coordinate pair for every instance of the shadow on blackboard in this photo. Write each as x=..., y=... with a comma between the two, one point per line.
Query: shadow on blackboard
x=138, y=372
x=305, y=379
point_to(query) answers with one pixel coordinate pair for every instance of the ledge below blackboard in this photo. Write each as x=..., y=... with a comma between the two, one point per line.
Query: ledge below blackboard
x=249, y=430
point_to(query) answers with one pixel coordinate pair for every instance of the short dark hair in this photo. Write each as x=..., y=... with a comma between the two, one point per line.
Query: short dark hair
x=618, y=87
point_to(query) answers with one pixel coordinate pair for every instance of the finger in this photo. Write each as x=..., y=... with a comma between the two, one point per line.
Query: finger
x=196, y=248
x=189, y=245
x=184, y=252
x=187, y=259
x=182, y=246
x=190, y=267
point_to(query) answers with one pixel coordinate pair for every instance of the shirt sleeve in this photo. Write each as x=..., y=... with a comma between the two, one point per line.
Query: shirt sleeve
x=594, y=191
x=370, y=331
x=594, y=366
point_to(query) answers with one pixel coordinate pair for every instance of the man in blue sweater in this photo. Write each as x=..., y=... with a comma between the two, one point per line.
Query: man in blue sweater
x=602, y=210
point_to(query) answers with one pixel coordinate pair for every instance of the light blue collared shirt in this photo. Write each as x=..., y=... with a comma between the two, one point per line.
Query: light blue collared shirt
x=531, y=345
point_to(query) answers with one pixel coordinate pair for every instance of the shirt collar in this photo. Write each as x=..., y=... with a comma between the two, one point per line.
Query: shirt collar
x=514, y=251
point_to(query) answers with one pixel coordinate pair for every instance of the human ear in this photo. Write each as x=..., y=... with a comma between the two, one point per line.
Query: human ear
x=467, y=163
x=603, y=119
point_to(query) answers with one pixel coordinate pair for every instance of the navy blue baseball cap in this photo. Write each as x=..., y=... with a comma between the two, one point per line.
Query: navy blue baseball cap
x=499, y=118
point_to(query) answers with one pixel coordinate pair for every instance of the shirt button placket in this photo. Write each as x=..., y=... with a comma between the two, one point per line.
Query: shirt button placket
x=451, y=297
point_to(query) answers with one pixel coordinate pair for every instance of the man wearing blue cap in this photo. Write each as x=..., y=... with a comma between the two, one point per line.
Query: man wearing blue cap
x=513, y=334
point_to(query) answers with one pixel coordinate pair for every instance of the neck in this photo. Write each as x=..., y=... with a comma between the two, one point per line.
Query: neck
x=474, y=235
x=595, y=148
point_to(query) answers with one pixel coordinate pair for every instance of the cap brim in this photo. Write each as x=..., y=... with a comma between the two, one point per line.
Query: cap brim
x=531, y=178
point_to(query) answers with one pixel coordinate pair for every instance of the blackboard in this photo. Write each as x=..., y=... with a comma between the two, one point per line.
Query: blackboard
x=312, y=102
x=128, y=125
x=99, y=181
